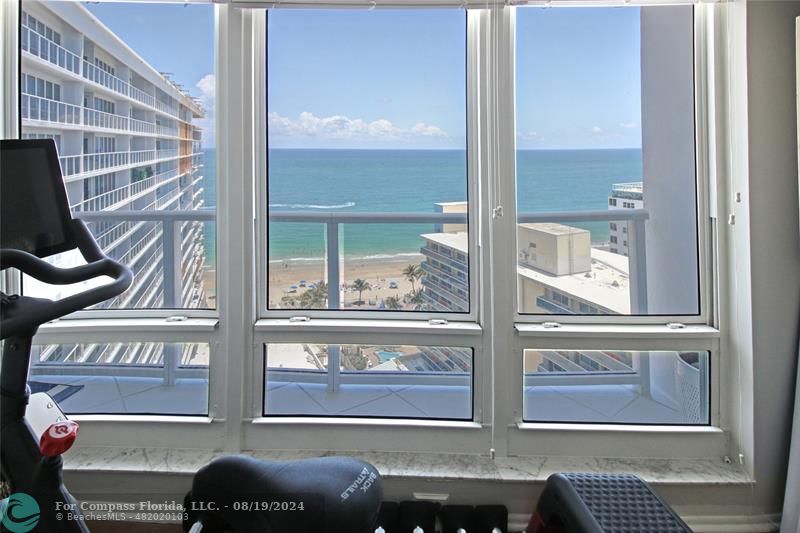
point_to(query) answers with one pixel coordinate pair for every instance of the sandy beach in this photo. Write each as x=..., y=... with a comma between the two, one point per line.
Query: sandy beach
x=379, y=273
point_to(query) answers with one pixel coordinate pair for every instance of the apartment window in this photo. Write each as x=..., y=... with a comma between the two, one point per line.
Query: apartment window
x=359, y=380
x=104, y=144
x=104, y=66
x=626, y=387
x=118, y=162
x=166, y=178
x=364, y=214
x=583, y=145
x=103, y=105
x=149, y=378
x=367, y=181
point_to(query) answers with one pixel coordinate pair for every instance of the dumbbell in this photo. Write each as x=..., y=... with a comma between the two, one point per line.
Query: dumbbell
x=418, y=517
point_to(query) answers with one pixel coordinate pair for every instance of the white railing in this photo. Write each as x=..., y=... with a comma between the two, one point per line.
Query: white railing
x=140, y=126
x=48, y=110
x=104, y=160
x=166, y=131
x=141, y=96
x=106, y=79
x=165, y=108
x=121, y=194
x=40, y=46
x=74, y=165
x=70, y=164
x=101, y=119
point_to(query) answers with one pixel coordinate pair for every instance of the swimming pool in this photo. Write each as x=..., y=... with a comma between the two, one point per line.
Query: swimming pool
x=385, y=355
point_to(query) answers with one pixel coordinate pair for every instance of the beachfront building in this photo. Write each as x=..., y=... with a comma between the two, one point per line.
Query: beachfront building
x=128, y=140
x=560, y=272
x=623, y=196
x=446, y=272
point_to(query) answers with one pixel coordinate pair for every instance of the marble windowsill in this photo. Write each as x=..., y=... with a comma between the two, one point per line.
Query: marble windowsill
x=527, y=469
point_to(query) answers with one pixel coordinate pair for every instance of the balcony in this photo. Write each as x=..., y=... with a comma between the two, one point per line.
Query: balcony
x=85, y=165
x=120, y=196
x=47, y=111
x=40, y=47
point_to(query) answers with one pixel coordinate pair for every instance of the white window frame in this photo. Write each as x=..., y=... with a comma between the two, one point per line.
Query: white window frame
x=240, y=324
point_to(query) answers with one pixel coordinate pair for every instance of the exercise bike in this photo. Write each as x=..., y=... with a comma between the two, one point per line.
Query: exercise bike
x=233, y=493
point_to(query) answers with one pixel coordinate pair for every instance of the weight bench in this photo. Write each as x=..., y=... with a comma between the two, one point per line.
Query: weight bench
x=602, y=503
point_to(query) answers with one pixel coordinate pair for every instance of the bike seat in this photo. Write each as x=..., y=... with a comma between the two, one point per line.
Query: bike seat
x=322, y=495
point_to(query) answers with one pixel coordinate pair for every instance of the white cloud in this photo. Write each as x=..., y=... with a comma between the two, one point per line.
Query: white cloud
x=342, y=127
x=597, y=129
x=208, y=99
x=628, y=125
x=529, y=136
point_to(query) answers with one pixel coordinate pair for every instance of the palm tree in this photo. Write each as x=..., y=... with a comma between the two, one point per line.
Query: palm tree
x=416, y=299
x=392, y=303
x=360, y=285
x=316, y=298
x=412, y=274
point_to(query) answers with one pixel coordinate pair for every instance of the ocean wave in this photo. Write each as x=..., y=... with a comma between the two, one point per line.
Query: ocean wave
x=349, y=259
x=314, y=206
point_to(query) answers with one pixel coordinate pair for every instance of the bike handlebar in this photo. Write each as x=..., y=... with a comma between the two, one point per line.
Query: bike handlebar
x=98, y=264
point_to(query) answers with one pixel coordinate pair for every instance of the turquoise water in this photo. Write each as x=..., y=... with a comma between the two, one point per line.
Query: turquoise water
x=413, y=181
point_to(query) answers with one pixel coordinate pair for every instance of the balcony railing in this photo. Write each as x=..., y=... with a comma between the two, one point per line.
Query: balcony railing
x=42, y=47
x=170, y=278
x=125, y=193
x=106, y=79
x=45, y=109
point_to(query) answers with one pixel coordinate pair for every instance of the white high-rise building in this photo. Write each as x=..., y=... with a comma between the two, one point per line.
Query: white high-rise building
x=128, y=141
x=623, y=196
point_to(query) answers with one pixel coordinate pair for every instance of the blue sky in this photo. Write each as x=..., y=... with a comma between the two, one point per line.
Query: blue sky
x=397, y=79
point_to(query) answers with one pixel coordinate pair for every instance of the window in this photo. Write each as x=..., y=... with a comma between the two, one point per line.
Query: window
x=626, y=387
x=367, y=182
x=124, y=152
x=375, y=202
x=148, y=377
x=113, y=154
x=368, y=381
x=592, y=99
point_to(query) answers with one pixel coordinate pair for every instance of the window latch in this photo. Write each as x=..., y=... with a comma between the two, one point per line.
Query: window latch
x=177, y=318
x=437, y=322
x=676, y=325
x=300, y=319
x=550, y=325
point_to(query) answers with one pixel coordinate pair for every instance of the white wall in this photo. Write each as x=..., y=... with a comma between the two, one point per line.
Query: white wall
x=774, y=241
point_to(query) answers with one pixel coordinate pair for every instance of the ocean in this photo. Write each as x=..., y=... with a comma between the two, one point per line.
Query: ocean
x=413, y=181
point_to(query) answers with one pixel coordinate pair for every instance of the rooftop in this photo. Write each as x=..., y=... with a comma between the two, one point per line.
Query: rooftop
x=456, y=241
x=606, y=285
x=553, y=228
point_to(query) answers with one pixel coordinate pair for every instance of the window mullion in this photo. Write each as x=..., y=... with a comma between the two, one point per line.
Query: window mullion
x=231, y=384
x=500, y=210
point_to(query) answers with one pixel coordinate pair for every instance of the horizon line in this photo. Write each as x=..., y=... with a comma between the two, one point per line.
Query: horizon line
x=455, y=149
